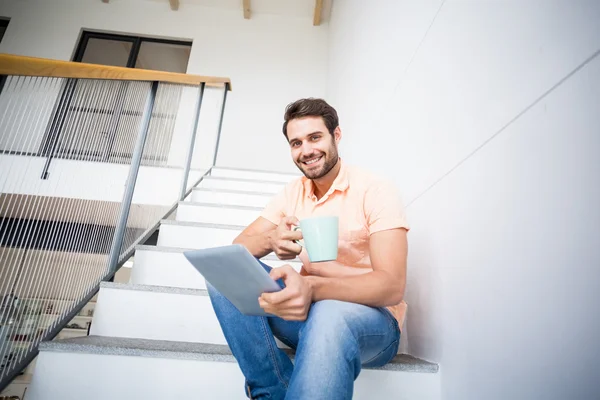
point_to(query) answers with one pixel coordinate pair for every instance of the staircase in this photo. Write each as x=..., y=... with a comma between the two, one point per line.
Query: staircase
x=157, y=336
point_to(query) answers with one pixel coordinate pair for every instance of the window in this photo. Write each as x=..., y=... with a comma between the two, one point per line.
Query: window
x=133, y=52
x=3, y=25
x=116, y=140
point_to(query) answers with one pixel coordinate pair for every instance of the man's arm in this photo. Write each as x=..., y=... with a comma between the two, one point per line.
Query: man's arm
x=262, y=237
x=384, y=286
x=257, y=237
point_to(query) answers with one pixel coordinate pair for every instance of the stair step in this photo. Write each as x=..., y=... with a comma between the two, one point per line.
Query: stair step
x=149, y=369
x=272, y=187
x=194, y=351
x=226, y=172
x=216, y=213
x=196, y=235
x=230, y=197
x=167, y=266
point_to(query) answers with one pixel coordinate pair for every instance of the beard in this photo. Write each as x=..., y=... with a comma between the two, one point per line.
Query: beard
x=330, y=160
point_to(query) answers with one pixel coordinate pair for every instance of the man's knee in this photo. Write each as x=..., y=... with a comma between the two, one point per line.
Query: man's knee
x=331, y=320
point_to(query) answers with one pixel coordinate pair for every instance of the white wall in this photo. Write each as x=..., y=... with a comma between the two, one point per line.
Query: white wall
x=271, y=60
x=504, y=265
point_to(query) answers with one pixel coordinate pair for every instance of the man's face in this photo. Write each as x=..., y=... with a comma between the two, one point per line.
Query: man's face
x=313, y=148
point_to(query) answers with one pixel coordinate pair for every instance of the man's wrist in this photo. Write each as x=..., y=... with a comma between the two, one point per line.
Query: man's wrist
x=313, y=282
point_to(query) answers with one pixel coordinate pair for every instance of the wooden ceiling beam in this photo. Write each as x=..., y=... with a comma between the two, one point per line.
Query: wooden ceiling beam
x=318, y=11
x=174, y=4
x=247, y=11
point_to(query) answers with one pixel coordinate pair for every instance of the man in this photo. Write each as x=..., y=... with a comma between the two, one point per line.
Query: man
x=340, y=315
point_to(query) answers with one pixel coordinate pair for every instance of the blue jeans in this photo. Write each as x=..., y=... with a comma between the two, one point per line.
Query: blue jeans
x=335, y=341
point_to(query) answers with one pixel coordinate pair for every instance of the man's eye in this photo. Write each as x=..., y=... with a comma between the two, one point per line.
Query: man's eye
x=315, y=138
x=295, y=144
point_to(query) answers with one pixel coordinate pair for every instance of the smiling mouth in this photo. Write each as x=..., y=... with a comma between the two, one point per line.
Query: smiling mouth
x=312, y=161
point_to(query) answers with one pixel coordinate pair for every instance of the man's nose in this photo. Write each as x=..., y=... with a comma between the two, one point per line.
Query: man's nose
x=307, y=149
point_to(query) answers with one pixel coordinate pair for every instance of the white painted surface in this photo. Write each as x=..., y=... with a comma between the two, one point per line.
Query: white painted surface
x=242, y=185
x=195, y=237
x=265, y=57
x=60, y=376
x=160, y=316
x=256, y=175
x=222, y=214
x=230, y=198
x=166, y=268
x=503, y=277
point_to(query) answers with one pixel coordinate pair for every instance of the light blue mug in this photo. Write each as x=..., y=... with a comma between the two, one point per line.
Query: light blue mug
x=320, y=238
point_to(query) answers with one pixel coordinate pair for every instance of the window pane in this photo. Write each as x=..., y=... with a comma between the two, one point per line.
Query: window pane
x=107, y=52
x=3, y=26
x=163, y=57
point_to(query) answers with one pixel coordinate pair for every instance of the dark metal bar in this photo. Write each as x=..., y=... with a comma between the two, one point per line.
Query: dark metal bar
x=57, y=125
x=2, y=82
x=188, y=159
x=220, y=124
x=131, y=179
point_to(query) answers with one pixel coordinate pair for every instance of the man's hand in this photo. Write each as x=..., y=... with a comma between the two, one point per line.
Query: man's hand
x=291, y=303
x=282, y=239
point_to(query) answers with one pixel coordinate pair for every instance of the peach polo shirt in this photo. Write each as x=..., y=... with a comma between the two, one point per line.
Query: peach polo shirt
x=364, y=203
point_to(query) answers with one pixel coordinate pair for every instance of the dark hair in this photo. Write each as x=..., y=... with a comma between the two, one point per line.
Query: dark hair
x=311, y=107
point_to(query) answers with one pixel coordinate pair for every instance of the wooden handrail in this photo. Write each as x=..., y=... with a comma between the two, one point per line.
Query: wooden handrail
x=32, y=66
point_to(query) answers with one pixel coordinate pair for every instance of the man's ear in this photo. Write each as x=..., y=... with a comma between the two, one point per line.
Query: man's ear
x=337, y=135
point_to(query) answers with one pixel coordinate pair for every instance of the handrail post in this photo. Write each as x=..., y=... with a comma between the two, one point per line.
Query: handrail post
x=136, y=160
x=188, y=160
x=220, y=124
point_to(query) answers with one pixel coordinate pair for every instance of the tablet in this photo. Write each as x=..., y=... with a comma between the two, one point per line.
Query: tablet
x=236, y=274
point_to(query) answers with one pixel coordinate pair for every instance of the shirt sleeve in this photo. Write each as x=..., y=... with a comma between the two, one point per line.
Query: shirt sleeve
x=384, y=208
x=274, y=211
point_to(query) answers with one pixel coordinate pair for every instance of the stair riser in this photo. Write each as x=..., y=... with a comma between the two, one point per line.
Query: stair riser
x=160, y=316
x=242, y=186
x=233, y=199
x=191, y=237
x=254, y=175
x=215, y=215
x=67, y=376
x=174, y=270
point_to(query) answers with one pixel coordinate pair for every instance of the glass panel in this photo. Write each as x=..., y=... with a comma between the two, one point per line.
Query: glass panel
x=107, y=52
x=163, y=57
x=2, y=30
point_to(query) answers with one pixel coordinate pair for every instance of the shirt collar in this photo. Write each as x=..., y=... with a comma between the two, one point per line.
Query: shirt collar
x=340, y=183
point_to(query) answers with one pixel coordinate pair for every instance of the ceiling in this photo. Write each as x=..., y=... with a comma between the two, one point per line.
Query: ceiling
x=298, y=8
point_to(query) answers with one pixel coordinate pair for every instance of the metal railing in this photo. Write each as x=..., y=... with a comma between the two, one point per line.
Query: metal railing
x=91, y=159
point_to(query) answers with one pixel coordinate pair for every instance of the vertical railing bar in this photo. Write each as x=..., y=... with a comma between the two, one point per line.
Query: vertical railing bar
x=30, y=290
x=188, y=159
x=131, y=179
x=70, y=277
x=52, y=249
x=13, y=234
x=131, y=138
x=17, y=230
x=220, y=124
x=35, y=284
x=116, y=102
x=13, y=270
x=67, y=96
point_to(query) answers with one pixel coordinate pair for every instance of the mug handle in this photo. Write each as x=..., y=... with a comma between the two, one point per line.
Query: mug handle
x=300, y=242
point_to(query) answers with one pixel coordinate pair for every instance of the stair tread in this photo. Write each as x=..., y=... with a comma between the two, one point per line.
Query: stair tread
x=292, y=174
x=233, y=207
x=257, y=181
x=153, y=288
x=191, y=351
x=201, y=224
x=232, y=191
x=165, y=249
